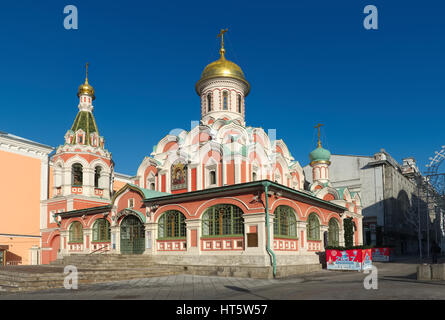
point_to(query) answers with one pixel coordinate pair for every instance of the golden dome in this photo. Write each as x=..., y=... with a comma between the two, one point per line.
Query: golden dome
x=86, y=89
x=223, y=68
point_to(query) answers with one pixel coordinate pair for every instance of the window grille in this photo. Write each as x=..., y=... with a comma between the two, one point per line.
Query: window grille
x=223, y=219
x=285, y=222
x=313, y=227
x=333, y=233
x=172, y=225
x=101, y=230
x=76, y=232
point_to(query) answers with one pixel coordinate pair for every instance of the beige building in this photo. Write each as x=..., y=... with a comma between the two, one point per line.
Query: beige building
x=24, y=183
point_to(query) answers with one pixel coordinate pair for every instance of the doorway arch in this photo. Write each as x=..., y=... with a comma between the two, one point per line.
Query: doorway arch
x=132, y=235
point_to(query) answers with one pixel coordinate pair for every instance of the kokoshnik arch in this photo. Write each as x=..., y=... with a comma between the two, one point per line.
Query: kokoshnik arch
x=222, y=193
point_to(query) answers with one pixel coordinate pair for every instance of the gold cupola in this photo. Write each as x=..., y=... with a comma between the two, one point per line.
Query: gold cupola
x=222, y=68
x=86, y=88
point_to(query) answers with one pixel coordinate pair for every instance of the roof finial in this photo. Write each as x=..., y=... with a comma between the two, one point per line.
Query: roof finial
x=86, y=77
x=318, y=127
x=221, y=34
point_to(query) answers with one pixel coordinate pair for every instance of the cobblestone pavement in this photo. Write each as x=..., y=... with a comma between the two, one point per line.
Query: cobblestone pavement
x=396, y=280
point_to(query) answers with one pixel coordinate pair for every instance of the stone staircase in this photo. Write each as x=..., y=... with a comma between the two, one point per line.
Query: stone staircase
x=114, y=267
x=105, y=261
x=91, y=269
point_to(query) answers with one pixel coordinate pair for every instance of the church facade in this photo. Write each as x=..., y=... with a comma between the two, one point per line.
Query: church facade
x=223, y=193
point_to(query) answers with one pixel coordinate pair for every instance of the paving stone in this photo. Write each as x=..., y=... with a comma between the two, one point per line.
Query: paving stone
x=395, y=282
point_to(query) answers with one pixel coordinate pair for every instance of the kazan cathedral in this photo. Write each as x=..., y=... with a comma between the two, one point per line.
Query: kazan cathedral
x=223, y=193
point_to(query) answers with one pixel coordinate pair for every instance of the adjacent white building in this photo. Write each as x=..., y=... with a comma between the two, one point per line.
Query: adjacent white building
x=389, y=196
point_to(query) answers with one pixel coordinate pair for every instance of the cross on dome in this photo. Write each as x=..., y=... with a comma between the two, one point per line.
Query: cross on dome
x=221, y=34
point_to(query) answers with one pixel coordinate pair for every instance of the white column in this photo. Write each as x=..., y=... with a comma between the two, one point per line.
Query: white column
x=193, y=224
x=44, y=179
x=341, y=235
x=64, y=239
x=87, y=232
x=104, y=183
x=88, y=182
x=257, y=220
x=66, y=187
x=302, y=226
x=151, y=234
x=237, y=168
x=360, y=231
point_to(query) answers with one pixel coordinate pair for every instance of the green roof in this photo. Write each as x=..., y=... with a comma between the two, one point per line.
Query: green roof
x=85, y=121
x=150, y=193
x=213, y=192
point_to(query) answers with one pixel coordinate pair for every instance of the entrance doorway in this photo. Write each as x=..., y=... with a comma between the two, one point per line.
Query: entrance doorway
x=132, y=236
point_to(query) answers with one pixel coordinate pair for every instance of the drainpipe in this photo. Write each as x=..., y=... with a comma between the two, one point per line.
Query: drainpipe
x=269, y=250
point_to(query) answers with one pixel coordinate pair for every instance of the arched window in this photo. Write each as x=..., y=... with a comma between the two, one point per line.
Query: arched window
x=313, y=227
x=209, y=102
x=171, y=225
x=225, y=101
x=152, y=186
x=97, y=172
x=212, y=175
x=238, y=102
x=77, y=174
x=223, y=219
x=254, y=176
x=333, y=233
x=101, y=230
x=284, y=222
x=76, y=232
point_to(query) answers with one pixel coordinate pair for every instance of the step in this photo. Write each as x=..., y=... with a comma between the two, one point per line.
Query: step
x=47, y=280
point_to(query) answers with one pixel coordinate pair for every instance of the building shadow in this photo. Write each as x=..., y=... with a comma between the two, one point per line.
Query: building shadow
x=12, y=259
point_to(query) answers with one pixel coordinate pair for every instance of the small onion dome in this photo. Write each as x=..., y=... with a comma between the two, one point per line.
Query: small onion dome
x=223, y=68
x=86, y=89
x=320, y=155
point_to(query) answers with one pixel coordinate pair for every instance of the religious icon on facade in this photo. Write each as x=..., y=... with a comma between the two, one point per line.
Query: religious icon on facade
x=178, y=176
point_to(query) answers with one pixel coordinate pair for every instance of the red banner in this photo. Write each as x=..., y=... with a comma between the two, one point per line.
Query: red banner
x=381, y=254
x=356, y=259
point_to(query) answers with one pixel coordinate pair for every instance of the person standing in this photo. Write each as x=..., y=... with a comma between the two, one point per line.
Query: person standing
x=435, y=250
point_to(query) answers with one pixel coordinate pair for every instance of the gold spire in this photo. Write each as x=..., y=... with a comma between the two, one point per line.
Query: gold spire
x=86, y=76
x=318, y=127
x=221, y=34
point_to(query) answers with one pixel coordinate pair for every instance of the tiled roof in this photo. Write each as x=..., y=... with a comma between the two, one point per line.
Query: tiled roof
x=85, y=121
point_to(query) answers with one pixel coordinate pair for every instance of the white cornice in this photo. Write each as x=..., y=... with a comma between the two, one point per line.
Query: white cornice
x=23, y=147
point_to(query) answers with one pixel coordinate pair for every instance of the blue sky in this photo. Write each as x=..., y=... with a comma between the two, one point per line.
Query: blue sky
x=306, y=61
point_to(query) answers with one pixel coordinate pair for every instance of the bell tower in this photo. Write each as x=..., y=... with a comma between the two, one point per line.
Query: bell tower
x=82, y=166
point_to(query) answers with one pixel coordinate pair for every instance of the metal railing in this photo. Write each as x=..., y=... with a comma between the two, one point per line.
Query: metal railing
x=100, y=250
